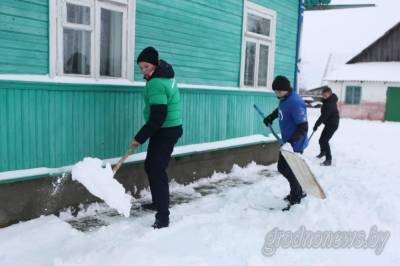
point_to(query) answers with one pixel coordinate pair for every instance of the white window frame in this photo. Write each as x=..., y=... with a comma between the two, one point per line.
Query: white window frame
x=62, y=11
x=57, y=17
x=123, y=10
x=258, y=39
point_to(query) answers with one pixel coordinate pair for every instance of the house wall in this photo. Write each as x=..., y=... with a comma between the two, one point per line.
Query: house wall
x=24, y=35
x=57, y=122
x=52, y=124
x=201, y=38
x=373, y=99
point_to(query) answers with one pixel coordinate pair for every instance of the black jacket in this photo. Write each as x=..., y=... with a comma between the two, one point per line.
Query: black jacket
x=329, y=112
x=158, y=113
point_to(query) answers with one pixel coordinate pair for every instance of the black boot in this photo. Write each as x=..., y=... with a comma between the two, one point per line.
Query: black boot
x=158, y=224
x=292, y=201
x=149, y=206
x=288, y=197
x=320, y=155
x=327, y=163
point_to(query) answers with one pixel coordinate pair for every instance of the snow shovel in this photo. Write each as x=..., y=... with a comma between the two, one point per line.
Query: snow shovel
x=312, y=134
x=299, y=167
x=122, y=160
x=270, y=127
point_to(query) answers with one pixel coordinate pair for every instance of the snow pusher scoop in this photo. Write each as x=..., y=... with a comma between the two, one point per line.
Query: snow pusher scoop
x=299, y=166
x=98, y=178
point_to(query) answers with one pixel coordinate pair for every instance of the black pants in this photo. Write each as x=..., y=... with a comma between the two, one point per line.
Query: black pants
x=295, y=188
x=326, y=135
x=158, y=156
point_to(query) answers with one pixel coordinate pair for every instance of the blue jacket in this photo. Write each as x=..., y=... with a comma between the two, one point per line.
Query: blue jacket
x=293, y=111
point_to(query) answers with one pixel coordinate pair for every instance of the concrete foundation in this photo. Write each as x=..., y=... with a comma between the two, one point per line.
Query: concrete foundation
x=24, y=200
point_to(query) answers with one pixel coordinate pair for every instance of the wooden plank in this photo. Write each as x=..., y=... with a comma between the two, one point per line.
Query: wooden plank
x=4, y=153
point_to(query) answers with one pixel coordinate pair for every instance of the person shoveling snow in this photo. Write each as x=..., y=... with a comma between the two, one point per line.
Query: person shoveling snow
x=293, y=122
x=100, y=181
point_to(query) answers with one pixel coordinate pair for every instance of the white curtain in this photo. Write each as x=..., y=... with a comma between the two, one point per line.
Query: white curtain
x=77, y=52
x=111, y=43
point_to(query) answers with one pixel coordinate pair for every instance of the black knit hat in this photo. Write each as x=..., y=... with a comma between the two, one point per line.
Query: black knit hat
x=326, y=89
x=149, y=55
x=281, y=83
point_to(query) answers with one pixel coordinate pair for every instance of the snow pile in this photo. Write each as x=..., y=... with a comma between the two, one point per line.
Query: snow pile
x=139, y=157
x=229, y=226
x=100, y=182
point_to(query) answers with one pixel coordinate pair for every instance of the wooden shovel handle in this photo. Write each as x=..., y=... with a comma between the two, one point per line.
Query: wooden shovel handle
x=122, y=160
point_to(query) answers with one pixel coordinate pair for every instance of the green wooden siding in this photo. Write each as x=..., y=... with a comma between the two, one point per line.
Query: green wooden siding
x=24, y=44
x=53, y=125
x=203, y=39
x=311, y=3
x=353, y=95
x=392, y=112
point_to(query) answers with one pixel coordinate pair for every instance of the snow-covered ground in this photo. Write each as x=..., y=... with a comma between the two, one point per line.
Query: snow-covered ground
x=218, y=222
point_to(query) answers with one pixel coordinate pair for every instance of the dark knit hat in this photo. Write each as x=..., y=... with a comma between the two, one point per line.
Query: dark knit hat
x=281, y=83
x=149, y=55
x=326, y=89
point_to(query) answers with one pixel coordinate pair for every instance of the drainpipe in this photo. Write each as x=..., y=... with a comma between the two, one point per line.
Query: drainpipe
x=299, y=30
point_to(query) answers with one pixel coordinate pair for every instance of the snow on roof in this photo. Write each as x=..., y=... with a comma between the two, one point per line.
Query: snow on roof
x=346, y=31
x=335, y=61
x=376, y=71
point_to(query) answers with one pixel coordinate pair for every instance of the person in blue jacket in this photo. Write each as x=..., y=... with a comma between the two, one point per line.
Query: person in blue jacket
x=292, y=114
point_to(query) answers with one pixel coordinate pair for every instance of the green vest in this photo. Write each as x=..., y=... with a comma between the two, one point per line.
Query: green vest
x=163, y=91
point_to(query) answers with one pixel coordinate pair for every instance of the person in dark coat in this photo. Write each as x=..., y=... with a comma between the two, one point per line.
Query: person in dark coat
x=330, y=118
x=292, y=114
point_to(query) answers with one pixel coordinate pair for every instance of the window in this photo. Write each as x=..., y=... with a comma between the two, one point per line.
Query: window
x=258, y=24
x=353, y=95
x=111, y=43
x=92, y=38
x=258, y=46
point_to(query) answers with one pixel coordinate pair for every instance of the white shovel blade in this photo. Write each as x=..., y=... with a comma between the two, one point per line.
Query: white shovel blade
x=304, y=174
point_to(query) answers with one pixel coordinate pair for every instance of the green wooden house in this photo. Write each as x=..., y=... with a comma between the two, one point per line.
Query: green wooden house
x=70, y=87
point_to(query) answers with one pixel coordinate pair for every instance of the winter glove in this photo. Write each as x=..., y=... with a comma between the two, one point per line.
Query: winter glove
x=268, y=120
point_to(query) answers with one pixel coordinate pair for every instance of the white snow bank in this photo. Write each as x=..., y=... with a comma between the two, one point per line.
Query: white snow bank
x=22, y=173
x=100, y=182
x=223, y=228
x=178, y=151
